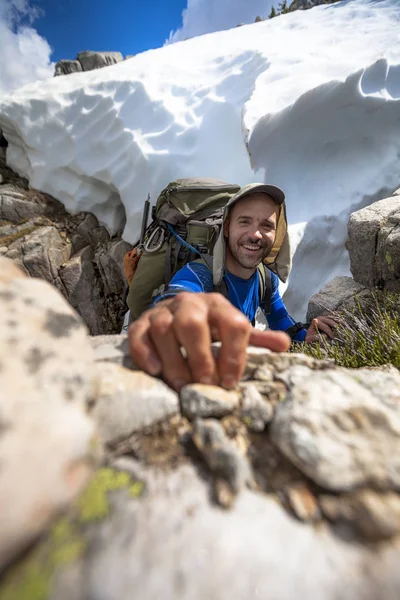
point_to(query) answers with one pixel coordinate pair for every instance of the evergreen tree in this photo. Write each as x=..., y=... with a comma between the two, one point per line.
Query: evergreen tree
x=283, y=7
x=272, y=14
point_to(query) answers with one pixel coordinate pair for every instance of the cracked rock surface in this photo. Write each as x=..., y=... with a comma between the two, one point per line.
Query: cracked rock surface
x=187, y=500
x=74, y=253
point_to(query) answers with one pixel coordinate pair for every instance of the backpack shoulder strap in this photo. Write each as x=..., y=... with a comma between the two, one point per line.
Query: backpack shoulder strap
x=222, y=288
x=265, y=286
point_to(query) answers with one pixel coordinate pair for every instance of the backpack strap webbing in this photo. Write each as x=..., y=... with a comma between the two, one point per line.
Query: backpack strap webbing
x=265, y=287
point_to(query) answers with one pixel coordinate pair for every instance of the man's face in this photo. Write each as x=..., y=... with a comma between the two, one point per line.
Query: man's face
x=250, y=231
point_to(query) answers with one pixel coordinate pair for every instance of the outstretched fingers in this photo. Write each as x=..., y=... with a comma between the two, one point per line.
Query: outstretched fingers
x=142, y=349
x=234, y=331
x=174, y=367
x=326, y=325
x=192, y=330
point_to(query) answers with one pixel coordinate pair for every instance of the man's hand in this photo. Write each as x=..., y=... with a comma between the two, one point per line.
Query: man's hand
x=319, y=326
x=190, y=321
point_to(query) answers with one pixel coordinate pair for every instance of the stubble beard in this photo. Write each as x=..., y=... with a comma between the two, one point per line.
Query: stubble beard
x=247, y=261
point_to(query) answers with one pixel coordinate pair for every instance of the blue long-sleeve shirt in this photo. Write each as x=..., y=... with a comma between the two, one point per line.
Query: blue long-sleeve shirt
x=243, y=294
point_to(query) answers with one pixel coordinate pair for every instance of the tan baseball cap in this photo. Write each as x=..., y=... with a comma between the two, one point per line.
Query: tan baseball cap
x=258, y=188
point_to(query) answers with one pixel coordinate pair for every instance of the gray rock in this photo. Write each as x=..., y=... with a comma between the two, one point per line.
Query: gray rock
x=277, y=364
x=335, y=427
x=129, y=401
x=255, y=411
x=388, y=252
x=15, y=206
x=85, y=228
x=99, y=235
x=114, y=349
x=97, y=60
x=47, y=378
x=376, y=516
x=79, y=279
x=110, y=262
x=78, y=243
x=65, y=67
x=363, y=230
x=198, y=400
x=223, y=458
x=338, y=292
x=43, y=252
x=40, y=237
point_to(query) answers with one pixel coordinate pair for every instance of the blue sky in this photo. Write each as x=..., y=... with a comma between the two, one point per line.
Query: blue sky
x=35, y=34
x=128, y=26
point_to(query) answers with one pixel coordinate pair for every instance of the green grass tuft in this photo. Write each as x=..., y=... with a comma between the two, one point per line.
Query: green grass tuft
x=366, y=336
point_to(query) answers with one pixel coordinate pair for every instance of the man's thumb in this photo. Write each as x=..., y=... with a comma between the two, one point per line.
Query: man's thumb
x=277, y=341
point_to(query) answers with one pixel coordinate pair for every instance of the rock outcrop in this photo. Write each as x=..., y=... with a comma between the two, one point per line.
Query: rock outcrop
x=74, y=253
x=47, y=377
x=374, y=250
x=87, y=61
x=299, y=466
x=374, y=244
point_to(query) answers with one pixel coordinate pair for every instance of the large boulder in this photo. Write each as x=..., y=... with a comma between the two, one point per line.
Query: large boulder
x=47, y=380
x=342, y=427
x=374, y=244
x=335, y=295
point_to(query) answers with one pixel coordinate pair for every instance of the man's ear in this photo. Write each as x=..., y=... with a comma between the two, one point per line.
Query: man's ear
x=226, y=227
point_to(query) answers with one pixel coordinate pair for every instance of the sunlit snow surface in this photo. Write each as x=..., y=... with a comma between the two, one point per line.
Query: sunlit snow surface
x=312, y=96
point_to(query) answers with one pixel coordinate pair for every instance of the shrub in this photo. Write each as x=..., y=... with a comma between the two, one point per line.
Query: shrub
x=366, y=336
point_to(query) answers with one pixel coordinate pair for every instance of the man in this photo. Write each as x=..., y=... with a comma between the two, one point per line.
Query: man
x=190, y=314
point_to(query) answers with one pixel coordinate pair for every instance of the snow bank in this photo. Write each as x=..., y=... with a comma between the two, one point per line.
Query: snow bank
x=314, y=96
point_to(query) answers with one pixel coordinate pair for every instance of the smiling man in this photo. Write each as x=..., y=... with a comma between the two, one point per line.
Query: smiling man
x=250, y=256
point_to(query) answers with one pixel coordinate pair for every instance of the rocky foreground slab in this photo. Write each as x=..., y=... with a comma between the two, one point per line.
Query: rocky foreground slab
x=112, y=486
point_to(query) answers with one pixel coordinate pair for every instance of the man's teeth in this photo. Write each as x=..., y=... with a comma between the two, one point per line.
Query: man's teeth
x=251, y=247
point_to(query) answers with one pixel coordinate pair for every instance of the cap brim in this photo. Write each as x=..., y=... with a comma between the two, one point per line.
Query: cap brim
x=259, y=188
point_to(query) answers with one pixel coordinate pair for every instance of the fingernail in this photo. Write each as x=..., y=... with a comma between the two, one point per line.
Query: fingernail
x=153, y=366
x=229, y=382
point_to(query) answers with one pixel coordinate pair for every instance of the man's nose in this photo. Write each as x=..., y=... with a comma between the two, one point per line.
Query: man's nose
x=256, y=234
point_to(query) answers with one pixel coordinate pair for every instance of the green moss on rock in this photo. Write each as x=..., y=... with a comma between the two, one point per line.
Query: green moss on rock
x=389, y=261
x=136, y=489
x=30, y=578
x=93, y=504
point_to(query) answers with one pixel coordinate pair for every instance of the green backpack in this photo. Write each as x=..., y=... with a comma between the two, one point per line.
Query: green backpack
x=185, y=226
